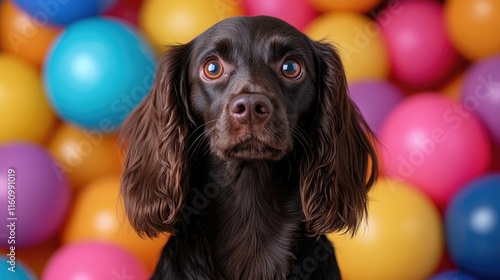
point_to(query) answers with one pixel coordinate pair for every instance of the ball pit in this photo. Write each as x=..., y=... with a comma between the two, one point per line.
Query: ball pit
x=70, y=71
x=24, y=36
x=98, y=214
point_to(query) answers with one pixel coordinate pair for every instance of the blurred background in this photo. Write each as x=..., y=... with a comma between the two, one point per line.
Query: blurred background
x=425, y=74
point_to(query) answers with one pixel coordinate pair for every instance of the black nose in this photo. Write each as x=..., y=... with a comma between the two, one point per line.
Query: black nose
x=251, y=108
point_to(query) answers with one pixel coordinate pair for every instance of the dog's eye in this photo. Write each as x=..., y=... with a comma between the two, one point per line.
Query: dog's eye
x=291, y=69
x=213, y=69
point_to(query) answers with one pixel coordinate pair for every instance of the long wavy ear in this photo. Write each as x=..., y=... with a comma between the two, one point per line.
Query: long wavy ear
x=342, y=164
x=154, y=138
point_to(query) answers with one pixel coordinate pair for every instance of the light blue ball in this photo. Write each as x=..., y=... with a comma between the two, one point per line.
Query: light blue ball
x=97, y=71
x=13, y=269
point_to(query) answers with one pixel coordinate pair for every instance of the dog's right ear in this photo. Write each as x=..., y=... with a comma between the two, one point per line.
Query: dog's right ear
x=154, y=138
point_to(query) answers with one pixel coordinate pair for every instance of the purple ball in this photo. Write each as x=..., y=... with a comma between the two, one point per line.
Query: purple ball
x=375, y=99
x=34, y=195
x=481, y=94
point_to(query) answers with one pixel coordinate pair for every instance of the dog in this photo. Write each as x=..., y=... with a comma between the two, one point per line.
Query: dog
x=247, y=150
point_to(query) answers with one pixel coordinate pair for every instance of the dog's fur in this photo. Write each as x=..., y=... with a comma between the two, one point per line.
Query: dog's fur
x=248, y=170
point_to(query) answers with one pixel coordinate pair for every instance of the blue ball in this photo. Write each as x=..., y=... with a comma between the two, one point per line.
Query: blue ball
x=453, y=275
x=97, y=71
x=473, y=227
x=12, y=269
x=63, y=12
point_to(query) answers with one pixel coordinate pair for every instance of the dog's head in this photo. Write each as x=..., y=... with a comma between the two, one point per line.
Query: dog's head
x=249, y=88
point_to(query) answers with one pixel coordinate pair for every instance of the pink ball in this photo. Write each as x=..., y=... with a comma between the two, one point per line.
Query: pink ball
x=434, y=144
x=93, y=260
x=296, y=12
x=419, y=49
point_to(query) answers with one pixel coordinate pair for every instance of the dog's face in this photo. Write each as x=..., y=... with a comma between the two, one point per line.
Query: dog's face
x=250, y=82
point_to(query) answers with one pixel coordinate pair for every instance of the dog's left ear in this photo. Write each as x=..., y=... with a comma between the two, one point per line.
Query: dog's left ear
x=342, y=165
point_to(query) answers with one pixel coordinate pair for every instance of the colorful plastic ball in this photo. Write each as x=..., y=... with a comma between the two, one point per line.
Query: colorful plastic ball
x=20, y=34
x=85, y=155
x=481, y=94
x=25, y=113
x=98, y=214
x=14, y=269
x=401, y=238
x=473, y=227
x=375, y=99
x=435, y=144
x=97, y=72
x=345, y=5
x=452, y=275
x=358, y=40
x=296, y=12
x=168, y=22
x=93, y=260
x=32, y=182
x=127, y=10
x=420, y=51
x=473, y=27
x=59, y=12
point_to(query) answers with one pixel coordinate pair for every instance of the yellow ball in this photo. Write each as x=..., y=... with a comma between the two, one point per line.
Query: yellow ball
x=24, y=111
x=474, y=27
x=358, y=40
x=402, y=238
x=84, y=155
x=98, y=214
x=345, y=5
x=172, y=21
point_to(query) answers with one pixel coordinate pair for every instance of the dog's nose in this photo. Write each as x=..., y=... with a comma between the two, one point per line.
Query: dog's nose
x=251, y=108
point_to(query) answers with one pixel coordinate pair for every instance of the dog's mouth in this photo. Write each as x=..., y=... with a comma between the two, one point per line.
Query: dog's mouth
x=252, y=149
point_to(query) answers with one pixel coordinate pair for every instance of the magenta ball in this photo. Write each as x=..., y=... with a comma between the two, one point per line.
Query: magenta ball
x=434, y=144
x=481, y=94
x=34, y=195
x=296, y=12
x=93, y=260
x=419, y=49
x=375, y=99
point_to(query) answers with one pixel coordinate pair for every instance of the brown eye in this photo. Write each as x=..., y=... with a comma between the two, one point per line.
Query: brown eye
x=213, y=69
x=291, y=69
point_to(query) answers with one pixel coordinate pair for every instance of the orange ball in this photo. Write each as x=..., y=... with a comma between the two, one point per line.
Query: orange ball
x=401, y=238
x=98, y=214
x=474, y=27
x=22, y=35
x=85, y=155
x=346, y=5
